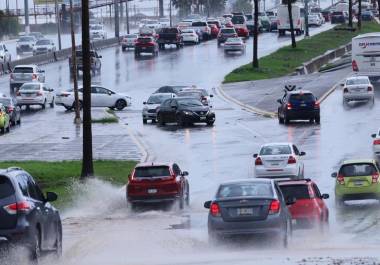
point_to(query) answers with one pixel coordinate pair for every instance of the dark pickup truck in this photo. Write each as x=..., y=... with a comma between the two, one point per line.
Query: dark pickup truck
x=169, y=36
x=96, y=64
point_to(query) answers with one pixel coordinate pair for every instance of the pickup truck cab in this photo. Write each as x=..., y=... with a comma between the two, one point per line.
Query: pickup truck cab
x=169, y=36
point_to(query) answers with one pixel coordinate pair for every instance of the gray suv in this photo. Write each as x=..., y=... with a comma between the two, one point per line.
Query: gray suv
x=24, y=74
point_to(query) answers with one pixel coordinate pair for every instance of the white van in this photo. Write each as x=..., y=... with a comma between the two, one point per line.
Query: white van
x=283, y=24
x=366, y=54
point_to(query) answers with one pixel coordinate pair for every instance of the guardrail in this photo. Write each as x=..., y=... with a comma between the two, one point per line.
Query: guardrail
x=6, y=68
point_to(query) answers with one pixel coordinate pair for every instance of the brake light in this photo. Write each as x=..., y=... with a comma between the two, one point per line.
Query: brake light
x=316, y=105
x=340, y=179
x=158, y=36
x=34, y=76
x=274, y=207
x=345, y=90
x=376, y=142
x=214, y=209
x=292, y=160
x=375, y=178
x=355, y=66
x=258, y=161
x=150, y=43
x=369, y=88
x=13, y=208
x=10, y=109
x=289, y=106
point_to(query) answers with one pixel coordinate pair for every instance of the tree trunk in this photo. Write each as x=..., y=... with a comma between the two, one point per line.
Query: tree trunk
x=360, y=15
x=294, y=45
x=350, y=13
x=255, y=62
x=87, y=163
x=378, y=7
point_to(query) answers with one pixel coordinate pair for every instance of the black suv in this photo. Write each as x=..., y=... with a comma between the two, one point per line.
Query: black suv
x=184, y=111
x=27, y=219
x=298, y=105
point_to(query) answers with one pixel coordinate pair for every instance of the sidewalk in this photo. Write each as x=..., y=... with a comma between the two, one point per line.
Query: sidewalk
x=263, y=94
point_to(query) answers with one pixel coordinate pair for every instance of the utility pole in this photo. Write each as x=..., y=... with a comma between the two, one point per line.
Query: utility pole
x=307, y=18
x=161, y=8
x=77, y=119
x=255, y=61
x=26, y=7
x=208, y=8
x=350, y=13
x=116, y=8
x=360, y=15
x=127, y=15
x=289, y=3
x=170, y=14
x=58, y=21
x=87, y=160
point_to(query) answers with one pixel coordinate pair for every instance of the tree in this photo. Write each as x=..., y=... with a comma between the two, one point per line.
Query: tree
x=255, y=61
x=183, y=6
x=242, y=6
x=8, y=25
x=87, y=160
x=350, y=13
x=289, y=4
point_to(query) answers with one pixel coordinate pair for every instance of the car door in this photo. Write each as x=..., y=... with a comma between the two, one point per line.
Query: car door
x=106, y=97
x=17, y=109
x=319, y=199
x=178, y=174
x=95, y=97
x=45, y=91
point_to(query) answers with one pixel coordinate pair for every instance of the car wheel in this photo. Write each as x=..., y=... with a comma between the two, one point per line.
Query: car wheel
x=120, y=104
x=286, y=120
x=181, y=202
x=8, y=128
x=68, y=108
x=58, y=242
x=52, y=103
x=36, y=247
x=160, y=120
x=44, y=105
x=286, y=235
x=123, y=49
x=210, y=123
x=318, y=119
x=187, y=194
x=280, y=120
x=19, y=120
x=153, y=120
x=144, y=121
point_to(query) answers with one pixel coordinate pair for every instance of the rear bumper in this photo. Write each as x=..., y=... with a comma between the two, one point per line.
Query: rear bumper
x=146, y=49
x=352, y=96
x=21, y=235
x=287, y=172
x=229, y=48
x=152, y=199
x=358, y=193
x=127, y=45
x=32, y=101
x=150, y=116
x=302, y=114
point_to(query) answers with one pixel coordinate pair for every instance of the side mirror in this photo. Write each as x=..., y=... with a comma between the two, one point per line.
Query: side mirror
x=51, y=196
x=334, y=175
x=373, y=135
x=325, y=196
x=279, y=101
x=342, y=85
x=290, y=200
x=211, y=95
x=302, y=153
x=255, y=155
x=51, y=90
x=6, y=50
x=207, y=204
x=185, y=173
x=173, y=107
x=42, y=71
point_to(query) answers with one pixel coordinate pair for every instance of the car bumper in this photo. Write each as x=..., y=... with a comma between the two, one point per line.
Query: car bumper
x=149, y=116
x=287, y=172
x=40, y=52
x=233, y=49
x=357, y=193
x=352, y=96
x=21, y=235
x=127, y=45
x=302, y=114
x=144, y=199
x=376, y=150
x=189, y=39
x=192, y=118
x=63, y=101
x=147, y=50
x=31, y=101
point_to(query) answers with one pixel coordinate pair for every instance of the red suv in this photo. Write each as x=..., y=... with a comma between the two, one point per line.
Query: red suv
x=158, y=183
x=309, y=208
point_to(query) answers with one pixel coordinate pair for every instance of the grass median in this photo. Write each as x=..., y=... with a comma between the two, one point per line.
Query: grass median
x=285, y=60
x=59, y=176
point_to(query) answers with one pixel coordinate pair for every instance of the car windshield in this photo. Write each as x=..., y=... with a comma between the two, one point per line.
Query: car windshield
x=27, y=39
x=150, y=22
x=337, y=13
x=24, y=70
x=228, y=31
x=188, y=31
x=43, y=42
x=356, y=170
x=295, y=191
x=189, y=103
x=6, y=187
x=5, y=101
x=249, y=17
x=357, y=81
x=30, y=86
x=157, y=99
x=301, y=97
x=276, y=150
x=151, y=172
x=253, y=189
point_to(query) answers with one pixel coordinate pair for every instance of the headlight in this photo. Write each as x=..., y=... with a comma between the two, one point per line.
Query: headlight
x=187, y=113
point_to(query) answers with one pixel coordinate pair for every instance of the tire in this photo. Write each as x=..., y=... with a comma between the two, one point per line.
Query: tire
x=123, y=49
x=144, y=121
x=19, y=120
x=286, y=235
x=280, y=120
x=58, y=242
x=52, y=103
x=178, y=46
x=44, y=105
x=181, y=202
x=160, y=120
x=2, y=130
x=187, y=194
x=210, y=123
x=8, y=128
x=120, y=104
x=68, y=108
x=286, y=120
x=35, y=250
x=318, y=120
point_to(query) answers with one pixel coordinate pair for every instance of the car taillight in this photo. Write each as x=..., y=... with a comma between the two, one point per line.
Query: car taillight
x=158, y=36
x=10, y=108
x=375, y=178
x=369, y=88
x=289, y=106
x=150, y=43
x=214, y=209
x=65, y=94
x=274, y=207
x=376, y=142
x=34, y=76
x=316, y=105
x=345, y=90
x=292, y=160
x=13, y=208
x=39, y=93
x=340, y=179
x=258, y=161
x=355, y=66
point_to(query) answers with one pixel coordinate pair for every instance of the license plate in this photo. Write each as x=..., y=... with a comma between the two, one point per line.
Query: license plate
x=358, y=183
x=143, y=48
x=152, y=191
x=202, y=118
x=275, y=164
x=303, y=105
x=245, y=211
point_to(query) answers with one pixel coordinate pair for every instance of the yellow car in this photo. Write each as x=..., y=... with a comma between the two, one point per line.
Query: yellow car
x=5, y=124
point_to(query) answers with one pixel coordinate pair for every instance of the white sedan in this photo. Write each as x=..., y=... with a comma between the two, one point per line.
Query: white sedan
x=376, y=143
x=189, y=36
x=35, y=94
x=234, y=45
x=279, y=160
x=100, y=97
x=358, y=88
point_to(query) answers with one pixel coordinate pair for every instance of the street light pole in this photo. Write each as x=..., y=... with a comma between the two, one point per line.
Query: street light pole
x=127, y=15
x=26, y=7
x=307, y=18
x=116, y=5
x=170, y=13
x=58, y=21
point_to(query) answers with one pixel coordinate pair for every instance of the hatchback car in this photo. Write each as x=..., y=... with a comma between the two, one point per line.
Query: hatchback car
x=35, y=94
x=249, y=207
x=298, y=105
x=27, y=217
x=357, y=180
x=158, y=183
x=128, y=41
x=309, y=208
x=12, y=109
x=5, y=122
x=184, y=111
x=358, y=88
x=279, y=160
x=146, y=45
x=152, y=104
x=234, y=45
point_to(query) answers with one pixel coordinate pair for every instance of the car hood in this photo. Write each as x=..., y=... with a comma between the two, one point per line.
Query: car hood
x=151, y=106
x=43, y=46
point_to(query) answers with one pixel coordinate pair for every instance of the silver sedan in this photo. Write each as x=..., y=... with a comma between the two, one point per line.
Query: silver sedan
x=234, y=45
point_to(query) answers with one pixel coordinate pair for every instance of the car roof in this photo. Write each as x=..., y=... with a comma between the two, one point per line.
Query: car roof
x=247, y=180
x=368, y=35
x=278, y=143
x=162, y=94
x=26, y=65
x=358, y=161
x=153, y=164
x=295, y=182
x=300, y=91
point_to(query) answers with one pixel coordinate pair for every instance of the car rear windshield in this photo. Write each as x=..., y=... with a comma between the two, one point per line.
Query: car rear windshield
x=275, y=150
x=199, y=24
x=151, y=172
x=357, y=81
x=228, y=31
x=234, y=40
x=30, y=87
x=6, y=187
x=5, y=101
x=238, y=20
x=257, y=189
x=192, y=94
x=295, y=191
x=169, y=30
x=24, y=70
x=43, y=42
x=301, y=97
x=356, y=170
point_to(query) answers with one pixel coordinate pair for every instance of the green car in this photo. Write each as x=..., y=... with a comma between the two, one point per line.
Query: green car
x=5, y=124
x=357, y=180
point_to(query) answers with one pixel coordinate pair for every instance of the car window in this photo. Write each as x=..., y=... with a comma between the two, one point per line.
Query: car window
x=94, y=90
x=43, y=42
x=296, y=150
x=275, y=150
x=176, y=169
x=101, y=90
x=238, y=20
x=246, y=189
x=30, y=86
x=295, y=191
x=301, y=97
x=22, y=181
x=24, y=70
x=45, y=88
x=355, y=170
x=150, y=172
x=34, y=191
x=158, y=99
x=228, y=31
x=316, y=191
x=6, y=187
